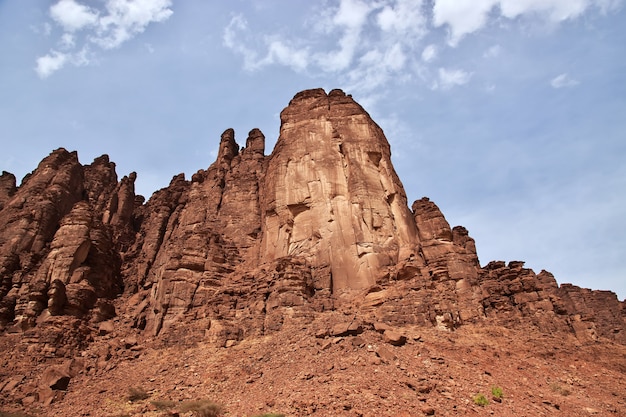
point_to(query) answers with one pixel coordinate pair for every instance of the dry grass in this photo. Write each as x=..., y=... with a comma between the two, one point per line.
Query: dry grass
x=201, y=408
x=560, y=389
x=137, y=394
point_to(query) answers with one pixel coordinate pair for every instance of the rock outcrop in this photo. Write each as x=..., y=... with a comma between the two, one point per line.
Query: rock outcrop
x=331, y=194
x=255, y=241
x=7, y=187
x=56, y=254
x=317, y=237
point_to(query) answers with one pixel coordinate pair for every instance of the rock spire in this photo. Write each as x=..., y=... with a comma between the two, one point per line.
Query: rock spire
x=331, y=194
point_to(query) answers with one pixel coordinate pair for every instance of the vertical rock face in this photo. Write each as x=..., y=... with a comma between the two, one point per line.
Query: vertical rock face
x=204, y=229
x=240, y=210
x=29, y=219
x=451, y=263
x=7, y=187
x=32, y=215
x=79, y=269
x=449, y=253
x=594, y=313
x=254, y=241
x=331, y=194
x=56, y=256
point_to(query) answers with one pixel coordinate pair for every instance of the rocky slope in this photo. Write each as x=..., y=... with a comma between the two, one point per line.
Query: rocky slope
x=313, y=246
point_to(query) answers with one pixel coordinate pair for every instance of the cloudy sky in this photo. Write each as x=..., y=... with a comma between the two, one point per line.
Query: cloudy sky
x=509, y=114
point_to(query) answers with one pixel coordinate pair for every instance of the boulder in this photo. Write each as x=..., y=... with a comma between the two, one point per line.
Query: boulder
x=394, y=337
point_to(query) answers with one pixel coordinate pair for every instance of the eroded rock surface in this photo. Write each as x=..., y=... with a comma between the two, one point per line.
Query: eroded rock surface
x=56, y=254
x=7, y=187
x=317, y=235
x=331, y=194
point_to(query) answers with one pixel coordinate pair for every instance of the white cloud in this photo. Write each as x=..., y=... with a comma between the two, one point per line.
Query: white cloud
x=449, y=78
x=50, y=63
x=349, y=18
x=282, y=53
x=367, y=44
x=279, y=51
x=609, y=5
x=554, y=10
x=429, y=53
x=463, y=17
x=376, y=68
x=339, y=59
x=55, y=60
x=45, y=29
x=73, y=16
x=403, y=17
x=82, y=57
x=127, y=18
x=493, y=51
x=395, y=58
x=67, y=41
x=352, y=13
x=230, y=38
x=563, y=81
x=108, y=28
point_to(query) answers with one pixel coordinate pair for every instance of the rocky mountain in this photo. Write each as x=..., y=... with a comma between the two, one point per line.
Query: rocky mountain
x=314, y=241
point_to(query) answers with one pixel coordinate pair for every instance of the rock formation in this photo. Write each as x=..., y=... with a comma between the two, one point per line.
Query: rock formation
x=256, y=241
x=331, y=194
x=7, y=187
x=56, y=256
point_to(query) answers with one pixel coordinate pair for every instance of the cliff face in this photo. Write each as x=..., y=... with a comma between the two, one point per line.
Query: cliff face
x=331, y=195
x=255, y=241
x=57, y=255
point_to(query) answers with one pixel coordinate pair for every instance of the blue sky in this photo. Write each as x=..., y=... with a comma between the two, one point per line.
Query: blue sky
x=509, y=114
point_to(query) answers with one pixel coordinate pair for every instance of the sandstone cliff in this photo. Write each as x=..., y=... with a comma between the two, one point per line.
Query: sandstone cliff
x=331, y=194
x=257, y=241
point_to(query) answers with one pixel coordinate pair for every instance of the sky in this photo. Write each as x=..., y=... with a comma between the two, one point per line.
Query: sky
x=509, y=114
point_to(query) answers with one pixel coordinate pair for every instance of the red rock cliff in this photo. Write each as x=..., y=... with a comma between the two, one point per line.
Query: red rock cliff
x=254, y=241
x=331, y=194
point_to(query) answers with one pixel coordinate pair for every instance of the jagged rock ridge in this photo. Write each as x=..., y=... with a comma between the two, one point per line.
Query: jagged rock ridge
x=257, y=240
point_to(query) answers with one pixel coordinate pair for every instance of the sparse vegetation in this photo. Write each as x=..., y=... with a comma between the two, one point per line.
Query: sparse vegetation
x=137, y=394
x=163, y=404
x=17, y=414
x=201, y=408
x=559, y=389
x=480, y=399
x=497, y=392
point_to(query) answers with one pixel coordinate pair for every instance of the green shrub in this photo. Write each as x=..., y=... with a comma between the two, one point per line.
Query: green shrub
x=136, y=394
x=497, y=392
x=559, y=389
x=480, y=399
x=201, y=408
